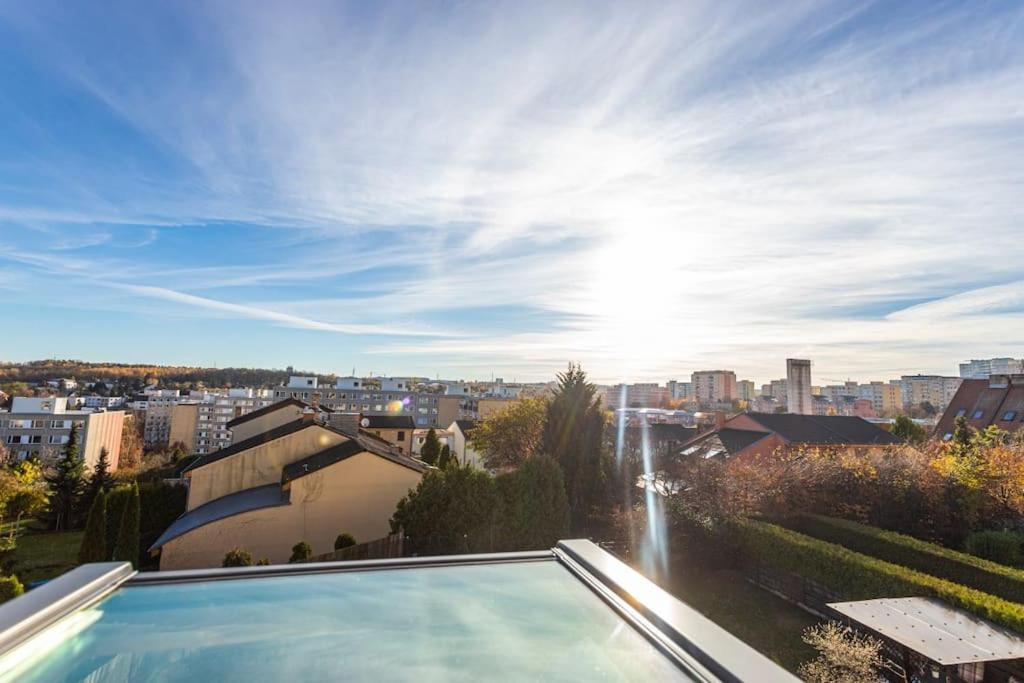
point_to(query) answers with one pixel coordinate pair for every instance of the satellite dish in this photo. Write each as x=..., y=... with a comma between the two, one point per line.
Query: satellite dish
x=365, y=422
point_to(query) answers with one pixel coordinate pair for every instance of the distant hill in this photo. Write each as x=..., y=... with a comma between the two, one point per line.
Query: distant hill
x=138, y=375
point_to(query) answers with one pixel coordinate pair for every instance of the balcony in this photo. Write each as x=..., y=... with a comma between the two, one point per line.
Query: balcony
x=571, y=613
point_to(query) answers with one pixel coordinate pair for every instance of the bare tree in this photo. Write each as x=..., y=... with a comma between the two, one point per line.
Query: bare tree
x=844, y=655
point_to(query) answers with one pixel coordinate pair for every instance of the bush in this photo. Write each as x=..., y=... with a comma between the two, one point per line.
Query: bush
x=301, y=552
x=126, y=549
x=930, y=558
x=344, y=541
x=1003, y=547
x=159, y=505
x=535, y=509
x=117, y=500
x=237, y=558
x=859, y=577
x=10, y=588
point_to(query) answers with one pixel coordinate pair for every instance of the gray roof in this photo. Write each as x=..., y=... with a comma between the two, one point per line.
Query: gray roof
x=942, y=633
x=220, y=508
x=824, y=429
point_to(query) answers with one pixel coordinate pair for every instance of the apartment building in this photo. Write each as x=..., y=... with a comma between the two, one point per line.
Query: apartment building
x=677, y=389
x=937, y=390
x=377, y=396
x=886, y=397
x=985, y=368
x=746, y=390
x=41, y=426
x=639, y=395
x=714, y=386
x=157, y=427
x=798, y=386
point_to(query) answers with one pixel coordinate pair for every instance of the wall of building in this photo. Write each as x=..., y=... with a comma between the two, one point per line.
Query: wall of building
x=257, y=466
x=103, y=430
x=264, y=423
x=356, y=496
x=184, y=418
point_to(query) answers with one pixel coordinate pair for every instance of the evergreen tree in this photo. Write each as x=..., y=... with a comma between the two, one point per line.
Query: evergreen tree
x=99, y=480
x=908, y=430
x=301, y=552
x=445, y=458
x=961, y=432
x=535, y=510
x=126, y=549
x=431, y=449
x=573, y=436
x=94, y=542
x=344, y=541
x=117, y=501
x=66, y=482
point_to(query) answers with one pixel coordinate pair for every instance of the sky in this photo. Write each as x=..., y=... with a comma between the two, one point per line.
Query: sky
x=462, y=189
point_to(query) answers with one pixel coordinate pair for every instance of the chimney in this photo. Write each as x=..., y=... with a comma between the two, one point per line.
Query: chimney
x=719, y=419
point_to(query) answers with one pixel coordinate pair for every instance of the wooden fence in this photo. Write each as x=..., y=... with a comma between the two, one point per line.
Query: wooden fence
x=389, y=546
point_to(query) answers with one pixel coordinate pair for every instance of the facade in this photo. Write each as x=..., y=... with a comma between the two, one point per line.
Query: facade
x=798, y=386
x=184, y=419
x=461, y=431
x=985, y=368
x=714, y=386
x=286, y=479
x=746, y=390
x=41, y=426
x=934, y=389
x=886, y=397
x=419, y=436
x=102, y=402
x=679, y=390
x=157, y=428
x=379, y=396
x=998, y=401
x=641, y=395
x=397, y=430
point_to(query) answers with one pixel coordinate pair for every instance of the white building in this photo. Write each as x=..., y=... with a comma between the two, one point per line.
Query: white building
x=985, y=368
x=937, y=390
x=714, y=386
x=41, y=426
x=798, y=386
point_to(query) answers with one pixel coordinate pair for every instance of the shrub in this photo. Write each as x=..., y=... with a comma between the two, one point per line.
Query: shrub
x=859, y=577
x=94, y=541
x=126, y=548
x=301, y=552
x=237, y=558
x=535, y=509
x=159, y=505
x=10, y=588
x=975, y=572
x=117, y=500
x=1003, y=547
x=344, y=541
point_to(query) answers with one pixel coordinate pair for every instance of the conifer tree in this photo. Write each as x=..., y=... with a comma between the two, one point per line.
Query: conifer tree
x=126, y=549
x=66, y=482
x=445, y=458
x=94, y=542
x=99, y=480
x=431, y=449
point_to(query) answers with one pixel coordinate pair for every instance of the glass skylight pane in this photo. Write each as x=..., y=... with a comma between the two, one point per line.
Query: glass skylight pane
x=514, y=621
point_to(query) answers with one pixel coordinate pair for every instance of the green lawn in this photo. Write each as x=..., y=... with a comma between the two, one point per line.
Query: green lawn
x=43, y=555
x=766, y=622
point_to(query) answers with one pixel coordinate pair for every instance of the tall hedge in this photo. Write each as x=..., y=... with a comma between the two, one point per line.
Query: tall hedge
x=859, y=577
x=126, y=548
x=94, y=541
x=969, y=570
x=117, y=500
x=534, y=507
x=159, y=505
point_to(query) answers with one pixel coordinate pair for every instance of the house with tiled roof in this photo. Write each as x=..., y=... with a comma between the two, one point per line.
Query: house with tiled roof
x=764, y=433
x=287, y=477
x=998, y=401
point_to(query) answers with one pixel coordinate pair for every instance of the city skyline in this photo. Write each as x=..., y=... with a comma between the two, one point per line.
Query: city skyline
x=507, y=188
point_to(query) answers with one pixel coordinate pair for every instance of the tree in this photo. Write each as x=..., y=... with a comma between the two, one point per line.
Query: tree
x=10, y=588
x=131, y=445
x=117, y=502
x=23, y=492
x=126, y=549
x=431, y=449
x=573, y=437
x=908, y=430
x=94, y=542
x=961, y=431
x=535, y=510
x=66, y=483
x=344, y=541
x=450, y=511
x=445, y=458
x=844, y=656
x=237, y=558
x=511, y=435
x=99, y=480
x=301, y=552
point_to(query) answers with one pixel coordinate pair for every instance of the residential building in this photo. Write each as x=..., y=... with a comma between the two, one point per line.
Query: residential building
x=640, y=395
x=284, y=479
x=985, y=368
x=714, y=386
x=798, y=386
x=397, y=430
x=746, y=390
x=41, y=426
x=184, y=420
x=462, y=449
x=936, y=390
x=375, y=396
x=750, y=434
x=776, y=389
x=419, y=437
x=886, y=397
x=998, y=401
x=834, y=392
x=159, y=403
x=101, y=402
x=679, y=390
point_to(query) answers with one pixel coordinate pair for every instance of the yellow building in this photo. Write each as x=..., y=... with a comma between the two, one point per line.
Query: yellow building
x=287, y=478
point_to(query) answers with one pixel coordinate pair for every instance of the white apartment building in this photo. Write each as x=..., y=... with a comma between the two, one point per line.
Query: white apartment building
x=714, y=386
x=214, y=411
x=937, y=390
x=370, y=397
x=746, y=390
x=886, y=397
x=157, y=427
x=678, y=389
x=985, y=368
x=798, y=386
x=41, y=426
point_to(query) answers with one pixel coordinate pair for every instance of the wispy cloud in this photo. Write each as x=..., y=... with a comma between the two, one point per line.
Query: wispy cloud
x=672, y=185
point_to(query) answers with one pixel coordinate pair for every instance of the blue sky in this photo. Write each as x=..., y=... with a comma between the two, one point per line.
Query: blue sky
x=458, y=189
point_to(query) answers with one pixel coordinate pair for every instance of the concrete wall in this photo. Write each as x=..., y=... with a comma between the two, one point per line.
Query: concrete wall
x=103, y=430
x=264, y=423
x=184, y=418
x=399, y=438
x=257, y=466
x=356, y=496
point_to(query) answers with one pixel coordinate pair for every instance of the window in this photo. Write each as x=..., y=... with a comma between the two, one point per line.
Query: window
x=1009, y=415
x=945, y=437
x=978, y=414
x=961, y=412
x=38, y=438
x=401, y=435
x=38, y=424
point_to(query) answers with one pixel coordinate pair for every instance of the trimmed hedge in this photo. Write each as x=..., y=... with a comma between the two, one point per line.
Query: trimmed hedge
x=999, y=546
x=860, y=577
x=975, y=572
